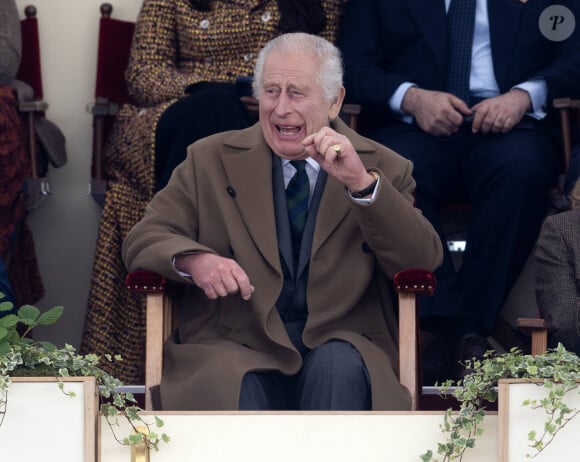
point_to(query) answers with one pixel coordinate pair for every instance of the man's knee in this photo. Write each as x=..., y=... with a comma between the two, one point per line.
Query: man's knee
x=334, y=377
x=336, y=361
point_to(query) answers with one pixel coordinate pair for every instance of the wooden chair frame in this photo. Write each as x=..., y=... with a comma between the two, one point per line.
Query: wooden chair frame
x=110, y=92
x=408, y=284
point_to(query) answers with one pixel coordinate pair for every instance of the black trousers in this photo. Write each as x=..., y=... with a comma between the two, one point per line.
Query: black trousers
x=209, y=108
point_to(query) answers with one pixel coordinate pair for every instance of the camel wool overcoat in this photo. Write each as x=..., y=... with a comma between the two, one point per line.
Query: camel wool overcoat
x=220, y=199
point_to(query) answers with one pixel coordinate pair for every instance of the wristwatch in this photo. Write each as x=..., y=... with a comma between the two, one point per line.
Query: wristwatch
x=368, y=190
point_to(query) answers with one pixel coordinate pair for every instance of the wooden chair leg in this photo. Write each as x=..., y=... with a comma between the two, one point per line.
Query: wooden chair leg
x=159, y=307
x=408, y=346
x=159, y=324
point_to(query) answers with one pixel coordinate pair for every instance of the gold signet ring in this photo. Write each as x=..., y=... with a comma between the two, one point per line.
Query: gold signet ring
x=336, y=148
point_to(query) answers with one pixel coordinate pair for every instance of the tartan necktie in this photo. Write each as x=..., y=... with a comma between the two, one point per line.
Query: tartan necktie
x=460, y=26
x=297, y=194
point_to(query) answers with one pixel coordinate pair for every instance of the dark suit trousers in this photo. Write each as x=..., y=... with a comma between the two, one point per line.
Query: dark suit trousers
x=506, y=179
x=333, y=377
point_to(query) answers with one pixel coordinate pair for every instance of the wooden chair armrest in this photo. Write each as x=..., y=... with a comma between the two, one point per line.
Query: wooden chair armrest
x=409, y=284
x=538, y=330
x=531, y=324
x=415, y=280
x=563, y=103
x=145, y=282
x=33, y=106
x=103, y=107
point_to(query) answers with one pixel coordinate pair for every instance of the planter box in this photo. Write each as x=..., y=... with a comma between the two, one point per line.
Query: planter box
x=516, y=421
x=42, y=423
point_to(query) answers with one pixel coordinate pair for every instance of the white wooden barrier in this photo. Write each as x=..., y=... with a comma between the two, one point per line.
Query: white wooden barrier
x=301, y=437
x=41, y=423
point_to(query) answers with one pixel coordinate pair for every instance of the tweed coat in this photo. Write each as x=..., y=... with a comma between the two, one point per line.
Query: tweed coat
x=174, y=46
x=558, y=276
x=218, y=341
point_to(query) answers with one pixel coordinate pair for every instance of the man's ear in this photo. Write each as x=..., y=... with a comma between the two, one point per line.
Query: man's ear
x=336, y=105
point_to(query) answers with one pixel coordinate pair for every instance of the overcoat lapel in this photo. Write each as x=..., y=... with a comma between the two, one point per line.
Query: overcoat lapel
x=306, y=245
x=432, y=21
x=332, y=209
x=254, y=199
x=281, y=210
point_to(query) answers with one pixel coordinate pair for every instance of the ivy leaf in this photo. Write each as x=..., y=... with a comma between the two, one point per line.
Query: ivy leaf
x=532, y=370
x=23, y=353
x=51, y=316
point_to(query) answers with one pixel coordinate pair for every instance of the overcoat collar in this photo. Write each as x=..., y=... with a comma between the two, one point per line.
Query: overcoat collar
x=254, y=199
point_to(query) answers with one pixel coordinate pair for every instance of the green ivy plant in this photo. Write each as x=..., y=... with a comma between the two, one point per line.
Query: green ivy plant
x=20, y=356
x=559, y=371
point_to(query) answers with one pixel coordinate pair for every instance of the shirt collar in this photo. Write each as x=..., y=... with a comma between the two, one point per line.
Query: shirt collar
x=309, y=160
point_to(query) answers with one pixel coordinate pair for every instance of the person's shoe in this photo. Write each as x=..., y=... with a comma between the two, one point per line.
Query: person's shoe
x=468, y=348
x=436, y=359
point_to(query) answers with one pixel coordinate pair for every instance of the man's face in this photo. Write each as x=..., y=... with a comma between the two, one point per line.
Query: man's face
x=292, y=104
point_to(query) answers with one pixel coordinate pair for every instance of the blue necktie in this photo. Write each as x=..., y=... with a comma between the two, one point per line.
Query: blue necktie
x=460, y=26
x=297, y=194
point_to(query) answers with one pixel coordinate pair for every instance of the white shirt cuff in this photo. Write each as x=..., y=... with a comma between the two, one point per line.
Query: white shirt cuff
x=368, y=200
x=538, y=91
x=396, y=102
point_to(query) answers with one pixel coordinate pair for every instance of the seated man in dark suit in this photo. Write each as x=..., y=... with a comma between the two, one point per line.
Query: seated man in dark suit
x=468, y=106
x=286, y=234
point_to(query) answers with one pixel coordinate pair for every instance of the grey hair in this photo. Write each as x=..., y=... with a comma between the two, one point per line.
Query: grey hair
x=329, y=57
x=575, y=194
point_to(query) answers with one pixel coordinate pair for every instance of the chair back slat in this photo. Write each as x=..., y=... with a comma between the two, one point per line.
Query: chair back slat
x=30, y=68
x=115, y=38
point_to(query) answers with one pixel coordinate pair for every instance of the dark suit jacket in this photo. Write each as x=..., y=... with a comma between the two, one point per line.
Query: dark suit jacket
x=388, y=42
x=220, y=199
x=558, y=276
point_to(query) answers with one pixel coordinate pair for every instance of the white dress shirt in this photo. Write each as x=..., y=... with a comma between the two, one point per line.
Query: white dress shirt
x=482, y=82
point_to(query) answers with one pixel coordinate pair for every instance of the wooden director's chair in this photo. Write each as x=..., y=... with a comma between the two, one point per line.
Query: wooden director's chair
x=408, y=284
